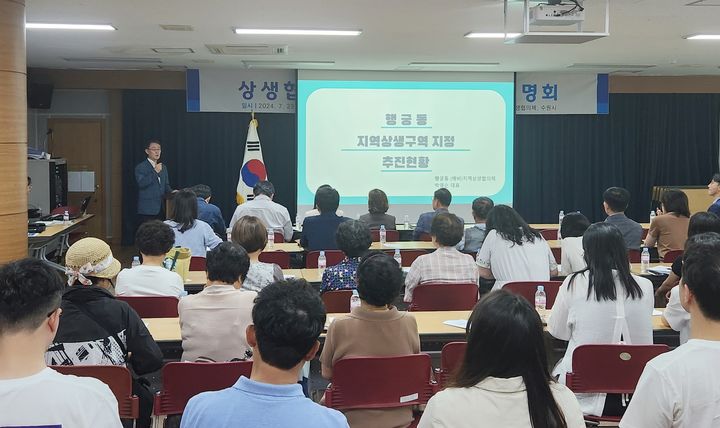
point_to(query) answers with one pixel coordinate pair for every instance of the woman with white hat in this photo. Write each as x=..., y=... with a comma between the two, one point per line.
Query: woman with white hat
x=97, y=329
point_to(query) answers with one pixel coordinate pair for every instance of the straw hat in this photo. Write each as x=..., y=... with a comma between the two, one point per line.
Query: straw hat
x=91, y=257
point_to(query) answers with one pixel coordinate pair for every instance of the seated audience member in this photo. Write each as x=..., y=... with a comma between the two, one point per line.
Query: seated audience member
x=679, y=389
x=503, y=379
x=212, y=321
x=615, y=202
x=154, y=239
x=315, y=211
x=602, y=304
x=208, y=212
x=714, y=191
x=377, y=211
x=353, y=239
x=513, y=251
x=440, y=203
x=319, y=231
x=572, y=255
x=446, y=265
x=272, y=214
x=250, y=233
x=675, y=315
x=475, y=236
x=375, y=329
x=190, y=232
x=97, y=329
x=32, y=394
x=669, y=230
x=287, y=320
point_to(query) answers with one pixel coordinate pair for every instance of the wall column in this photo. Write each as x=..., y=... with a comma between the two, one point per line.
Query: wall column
x=13, y=132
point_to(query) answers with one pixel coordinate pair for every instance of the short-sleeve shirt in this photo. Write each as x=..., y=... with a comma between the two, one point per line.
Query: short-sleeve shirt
x=260, y=275
x=531, y=261
x=146, y=280
x=341, y=276
x=677, y=316
x=670, y=231
x=446, y=265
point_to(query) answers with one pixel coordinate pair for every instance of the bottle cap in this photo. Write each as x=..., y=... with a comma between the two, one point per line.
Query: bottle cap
x=541, y=288
x=322, y=252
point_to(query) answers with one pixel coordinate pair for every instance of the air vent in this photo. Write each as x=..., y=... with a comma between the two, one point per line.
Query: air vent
x=174, y=51
x=176, y=27
x=288, y=64
x=248, y=49
x=116, y=60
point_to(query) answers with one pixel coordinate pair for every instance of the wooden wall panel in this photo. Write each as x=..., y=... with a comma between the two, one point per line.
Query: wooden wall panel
x=13, y=107
x=14, y=238
x=12, y=35
x=13, y=192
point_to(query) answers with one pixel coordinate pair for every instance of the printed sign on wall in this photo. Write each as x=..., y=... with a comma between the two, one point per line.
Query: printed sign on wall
x=560, y=93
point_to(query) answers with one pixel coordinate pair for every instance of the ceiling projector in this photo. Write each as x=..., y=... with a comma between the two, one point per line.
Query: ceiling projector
x=557, y=13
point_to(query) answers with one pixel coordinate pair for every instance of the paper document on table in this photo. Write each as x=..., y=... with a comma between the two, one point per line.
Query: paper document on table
x=456, y=323
x=389, y=245
x=657, y=313
x=660, y=270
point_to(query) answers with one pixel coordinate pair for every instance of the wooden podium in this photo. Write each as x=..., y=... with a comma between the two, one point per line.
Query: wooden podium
x=698, y=197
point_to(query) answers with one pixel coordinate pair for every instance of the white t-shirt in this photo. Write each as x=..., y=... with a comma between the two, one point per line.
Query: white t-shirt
x=494, y=402
x=572, y=259
x=149, y=281
x=581, y=322
x=677, y=316
x=678, y=389
x=531, y=261
x=49, y=398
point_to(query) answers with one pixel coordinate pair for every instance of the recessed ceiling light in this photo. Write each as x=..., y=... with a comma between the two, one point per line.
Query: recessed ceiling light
x=49, y=26
x=289, y=32
x=491, y=35
x=702, y=37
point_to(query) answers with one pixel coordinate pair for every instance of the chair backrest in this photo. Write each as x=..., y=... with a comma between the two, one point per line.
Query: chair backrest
x=634, y=256
x=425, y=237
x=409, y=256
x=557, y=253
x=671, y=255
x=444, y=297
x=279, y=237
x=527, y=289
x=73, y=212
x=613, y=369
x=390, y=235
x=332, y=258
x=337, y=302
x=182, y=381
x=380, y=382
x=152, y=306
x=549, y=234
x=645, y=233
x=279, y=257
x=197, y=264
x=450, y=359
x=119, y=380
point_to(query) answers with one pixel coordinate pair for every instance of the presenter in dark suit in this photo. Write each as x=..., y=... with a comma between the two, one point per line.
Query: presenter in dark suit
x=153, y=184
x=319, y=231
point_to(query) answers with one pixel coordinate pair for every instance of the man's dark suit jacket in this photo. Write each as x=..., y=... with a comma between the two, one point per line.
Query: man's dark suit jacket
x=150, y=189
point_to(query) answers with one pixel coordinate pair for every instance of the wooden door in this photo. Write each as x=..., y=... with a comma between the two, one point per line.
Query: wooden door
x=80, y=142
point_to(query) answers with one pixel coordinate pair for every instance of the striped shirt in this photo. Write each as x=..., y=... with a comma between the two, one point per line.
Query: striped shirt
x=445, y=266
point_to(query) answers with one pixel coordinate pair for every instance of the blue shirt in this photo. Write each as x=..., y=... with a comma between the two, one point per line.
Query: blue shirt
x=211, y=215
x=425, y=221
x=341, y=276
x=258, y=405
x=474, y=238
x=319, y=231
x=715, y=208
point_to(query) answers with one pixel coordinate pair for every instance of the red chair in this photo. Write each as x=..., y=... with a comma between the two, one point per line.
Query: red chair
x=279, y=237
x=634, y=256
x=645, y=233
x=444, y=297
x=557, y=252
x=671, y=255
x=337, y=302
x=332, y=258
x=117, y=378
x=279, y=257
x=152, y=306
x=527, y=289
x=197, y=264
x=409, y=256
x=613, y=369
x=390, y=235
x=380, y=382
x=450, y=359
x=549, y=234
x=425, y=237
x=182, y=381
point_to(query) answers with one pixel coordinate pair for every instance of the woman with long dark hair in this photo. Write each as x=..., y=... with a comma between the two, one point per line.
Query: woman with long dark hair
x=189, y=231
x=602, y=304
x=669, y=230
x=504, y=380
x=513, y=251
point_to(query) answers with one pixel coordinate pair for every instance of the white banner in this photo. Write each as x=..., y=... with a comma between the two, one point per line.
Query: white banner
x=561, y=93
x=259, y=91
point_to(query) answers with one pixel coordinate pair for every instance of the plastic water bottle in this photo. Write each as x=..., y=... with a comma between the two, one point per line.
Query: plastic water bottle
x=135, y=262
x=383, y=235
x=652, y=216
x=322, y=262
x=560, y=219
x=645, y=260
x=407, y=222
x=66, y=217
x=271, y=237
x=354, y=300
x=477, y=256
x=297, y=220
x=398, y=257
x=540, y=298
